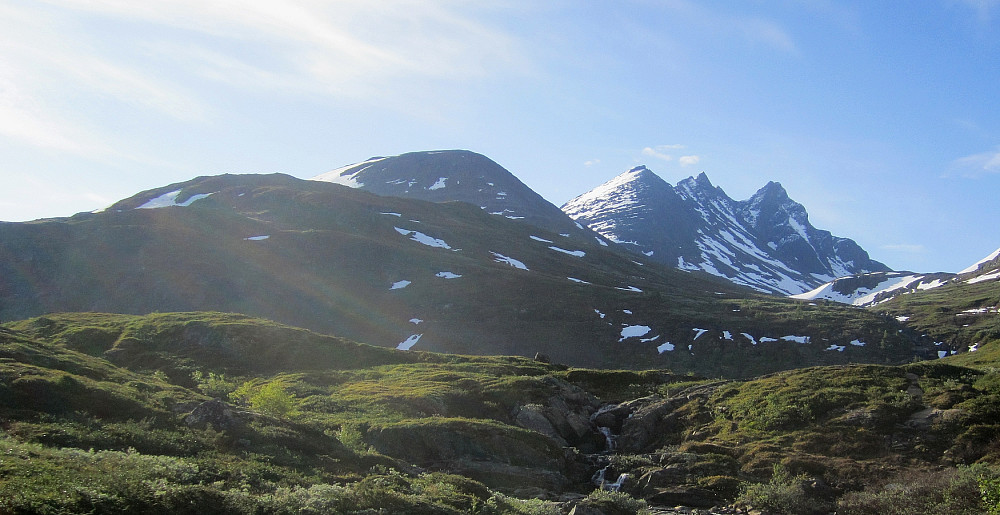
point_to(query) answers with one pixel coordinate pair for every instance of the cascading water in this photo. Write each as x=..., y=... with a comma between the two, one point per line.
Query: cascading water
x=601, y=481
x=609, y=439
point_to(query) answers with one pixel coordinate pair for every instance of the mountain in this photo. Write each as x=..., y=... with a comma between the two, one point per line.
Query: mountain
x=411, y=274
x=878, y=287
x=874, y=287
x=455, y=176
x=765, y=242
x=961, y=313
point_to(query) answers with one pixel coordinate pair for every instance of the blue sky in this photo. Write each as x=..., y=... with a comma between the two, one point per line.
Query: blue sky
x=882, y=118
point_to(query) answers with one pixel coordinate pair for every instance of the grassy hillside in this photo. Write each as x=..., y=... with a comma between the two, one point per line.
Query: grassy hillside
x=959, y=315
x=111, y=413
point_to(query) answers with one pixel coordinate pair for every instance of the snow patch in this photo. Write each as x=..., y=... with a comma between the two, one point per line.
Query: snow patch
x=257, y=238
x=634, y=331
x=857, y=343
x=543, y=240
x=409, y=342
x=399, y=285
x=630, y=288
x=602, y=315
x=420, y=237
x=985, y=277
x=749, y=337
x=699, y=332
x=500, y=258
x=447, y=275
x=170, y=199
x=838, y=348
x=440, y=184
x=574, y=253
x=665, y=347
x=397, y=215
x=574, y=279
x=416, y=321
x=797, y=339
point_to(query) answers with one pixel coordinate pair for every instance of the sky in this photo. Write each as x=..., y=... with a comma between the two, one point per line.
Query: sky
x=881, y=118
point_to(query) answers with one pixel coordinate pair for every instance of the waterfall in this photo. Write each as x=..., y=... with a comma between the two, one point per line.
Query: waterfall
x=609, y=439
x=600, y=480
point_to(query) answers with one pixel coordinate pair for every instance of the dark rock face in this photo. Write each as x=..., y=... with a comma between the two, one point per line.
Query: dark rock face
x=765, y=242
x=218, y=414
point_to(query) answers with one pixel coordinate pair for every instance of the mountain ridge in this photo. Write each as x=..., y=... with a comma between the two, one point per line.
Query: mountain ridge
x=765, y=242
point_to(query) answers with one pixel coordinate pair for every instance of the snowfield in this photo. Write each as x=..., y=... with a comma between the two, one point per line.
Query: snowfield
x=170, y=200
x=422, y=238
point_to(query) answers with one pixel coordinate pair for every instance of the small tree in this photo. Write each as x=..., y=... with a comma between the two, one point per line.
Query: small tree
x=270, y=399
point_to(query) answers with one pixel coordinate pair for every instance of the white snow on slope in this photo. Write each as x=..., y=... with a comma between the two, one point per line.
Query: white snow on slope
x=170, y=200
x=861, y=296
x=798, y=339
x=574, y=253
x=408, y=343
x=347, y=175
x=399, y=285
x=634, y=331
x=581, y=281
x=257, y=238
x=543, y=240
x=975, y=266
x=665, y=347
x=440, y=184
x=415, y=321
x=447, y=275
x=699, y=332
x=984, y=277
x=630, y=288
x=500, y=258
x=420, y=237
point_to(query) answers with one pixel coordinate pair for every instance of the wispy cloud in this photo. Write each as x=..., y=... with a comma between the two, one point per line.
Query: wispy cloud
x=750, y=28
x=689, y=160
x=660, y=151
x=109, y=55
x=592, y=162
x=977, y=165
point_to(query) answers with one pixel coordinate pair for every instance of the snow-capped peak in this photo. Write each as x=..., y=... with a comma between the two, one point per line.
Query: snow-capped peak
x=765, y=242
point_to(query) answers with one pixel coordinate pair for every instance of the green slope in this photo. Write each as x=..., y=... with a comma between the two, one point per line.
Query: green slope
x=109, y=413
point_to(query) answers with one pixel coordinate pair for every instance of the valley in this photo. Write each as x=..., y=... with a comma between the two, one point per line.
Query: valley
x=424, y=334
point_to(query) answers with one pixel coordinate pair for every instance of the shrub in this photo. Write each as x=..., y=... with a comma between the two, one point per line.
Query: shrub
x=270, y=399
x=784, y=494
x=213, y=385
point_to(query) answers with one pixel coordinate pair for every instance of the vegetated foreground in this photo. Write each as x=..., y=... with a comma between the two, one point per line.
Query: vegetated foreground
x=222, y=413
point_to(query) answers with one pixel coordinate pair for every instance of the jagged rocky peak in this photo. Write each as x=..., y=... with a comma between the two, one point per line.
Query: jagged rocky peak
x=765, y=242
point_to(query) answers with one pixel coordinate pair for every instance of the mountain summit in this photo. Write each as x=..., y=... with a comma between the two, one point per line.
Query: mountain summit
x=454, y=175
x=765, y=242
